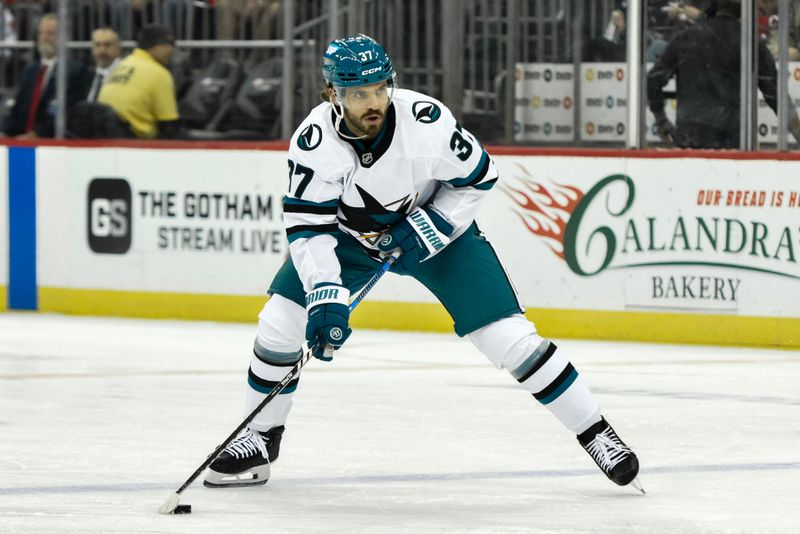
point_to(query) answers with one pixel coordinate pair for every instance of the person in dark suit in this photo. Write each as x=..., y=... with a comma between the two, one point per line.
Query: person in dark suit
x=706, y=60
x=34, y=109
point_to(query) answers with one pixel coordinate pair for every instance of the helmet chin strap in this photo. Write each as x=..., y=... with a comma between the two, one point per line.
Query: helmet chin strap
x=338, y=110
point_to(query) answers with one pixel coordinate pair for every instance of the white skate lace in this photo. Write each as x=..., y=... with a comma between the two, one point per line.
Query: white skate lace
x=607, y=450
x=247, y=445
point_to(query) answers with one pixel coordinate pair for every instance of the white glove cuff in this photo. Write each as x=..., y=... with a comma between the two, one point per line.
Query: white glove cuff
x=329, y=294
x=423, y=225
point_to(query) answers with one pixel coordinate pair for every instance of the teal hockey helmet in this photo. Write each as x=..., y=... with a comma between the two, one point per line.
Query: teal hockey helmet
x=356, y=60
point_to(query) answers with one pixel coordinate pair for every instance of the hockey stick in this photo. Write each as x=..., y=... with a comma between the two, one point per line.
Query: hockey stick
x=173, y=500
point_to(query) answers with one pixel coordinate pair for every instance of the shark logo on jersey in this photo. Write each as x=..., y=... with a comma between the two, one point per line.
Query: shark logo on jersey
x=426, y=112
x=374, y=218
x=310, y=138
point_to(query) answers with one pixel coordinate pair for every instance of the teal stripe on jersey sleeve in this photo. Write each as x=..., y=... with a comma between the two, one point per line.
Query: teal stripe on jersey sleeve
x=296, y=205
x=290, y=201
x=485, y=186
x=301, y=231
x=476, y=175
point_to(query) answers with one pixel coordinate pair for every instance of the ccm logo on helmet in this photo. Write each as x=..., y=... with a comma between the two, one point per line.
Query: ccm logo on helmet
x=370, y=71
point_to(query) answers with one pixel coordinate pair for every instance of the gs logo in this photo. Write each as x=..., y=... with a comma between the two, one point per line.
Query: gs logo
x=109, y=215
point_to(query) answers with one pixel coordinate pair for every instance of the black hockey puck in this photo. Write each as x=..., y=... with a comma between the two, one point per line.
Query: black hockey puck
x=183, y=509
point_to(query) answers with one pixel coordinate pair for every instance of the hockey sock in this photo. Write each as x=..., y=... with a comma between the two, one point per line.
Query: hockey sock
x=555, y=383
x=267, y=369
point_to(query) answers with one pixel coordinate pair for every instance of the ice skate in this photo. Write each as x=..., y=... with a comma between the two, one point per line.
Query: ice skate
x=611, y=455
x=246, y=461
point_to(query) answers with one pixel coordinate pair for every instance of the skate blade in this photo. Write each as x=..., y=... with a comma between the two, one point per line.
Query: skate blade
x=254, y=477
x=638, y=485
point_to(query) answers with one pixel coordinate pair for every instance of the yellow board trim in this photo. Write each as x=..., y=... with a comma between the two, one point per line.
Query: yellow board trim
x=150, y=305
x=552, y=323
x=3, y=298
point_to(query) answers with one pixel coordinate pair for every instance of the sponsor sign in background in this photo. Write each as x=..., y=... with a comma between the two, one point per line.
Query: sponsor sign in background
x=604, y=101
x=544, y=102
x=767, y=119
x=603, y=105
x=3, y=227
x=671, y=235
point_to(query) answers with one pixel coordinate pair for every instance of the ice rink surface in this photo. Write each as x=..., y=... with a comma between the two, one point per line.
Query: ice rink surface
x=100, y=419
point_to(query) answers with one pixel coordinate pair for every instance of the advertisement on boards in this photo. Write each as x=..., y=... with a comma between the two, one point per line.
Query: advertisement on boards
x=189, y=221
x=671, y=235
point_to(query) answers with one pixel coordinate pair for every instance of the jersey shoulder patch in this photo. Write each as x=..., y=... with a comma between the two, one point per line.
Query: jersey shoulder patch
x=310, y=137
x=315, y=146
x=426, y=111
x=420, y=108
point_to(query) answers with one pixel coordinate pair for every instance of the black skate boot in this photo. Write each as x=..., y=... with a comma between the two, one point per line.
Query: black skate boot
x=245, y=461
x=611, y=455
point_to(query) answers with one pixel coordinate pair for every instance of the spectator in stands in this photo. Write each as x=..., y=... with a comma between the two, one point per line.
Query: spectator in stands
x=768, y=28
x=106, y=52
x=684, y=12
x=667, y=19
x=34, y=109
x=8, y=27
x=141, y=89
x=663, y=20
x=189, y=19
x=611, y=46
x=142, y=13
x=90, y=119
x=706, y=60
x=248, y=19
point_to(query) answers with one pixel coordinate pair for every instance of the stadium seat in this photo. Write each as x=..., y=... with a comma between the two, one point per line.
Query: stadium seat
x=211, y=94
x=257, y=105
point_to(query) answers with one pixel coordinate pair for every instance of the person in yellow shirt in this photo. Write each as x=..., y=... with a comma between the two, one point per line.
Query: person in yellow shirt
x=141, y=90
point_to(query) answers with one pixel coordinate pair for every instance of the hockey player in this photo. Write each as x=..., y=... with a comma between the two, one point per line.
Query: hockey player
x=373, y=169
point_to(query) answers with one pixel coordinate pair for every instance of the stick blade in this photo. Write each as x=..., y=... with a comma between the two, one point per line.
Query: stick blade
x=170, y=504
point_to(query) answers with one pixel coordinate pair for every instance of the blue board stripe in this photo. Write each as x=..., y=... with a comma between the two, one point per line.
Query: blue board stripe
x=22, y=228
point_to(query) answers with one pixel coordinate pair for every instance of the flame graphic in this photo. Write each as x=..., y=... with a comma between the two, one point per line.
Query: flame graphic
x=544, y=211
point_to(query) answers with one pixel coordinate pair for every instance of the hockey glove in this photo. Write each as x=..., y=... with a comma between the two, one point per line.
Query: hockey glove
x=328, y=317
x=420, y=235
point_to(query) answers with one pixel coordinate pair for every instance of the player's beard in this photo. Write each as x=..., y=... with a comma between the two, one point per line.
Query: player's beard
x=368, y=130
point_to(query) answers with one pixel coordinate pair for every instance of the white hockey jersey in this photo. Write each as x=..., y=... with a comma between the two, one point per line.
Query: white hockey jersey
x=422, y=157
